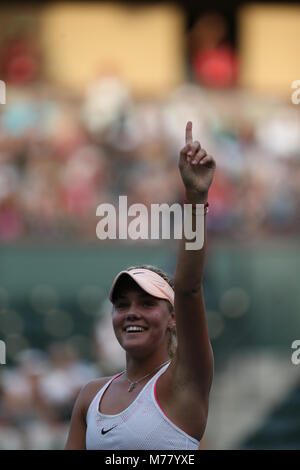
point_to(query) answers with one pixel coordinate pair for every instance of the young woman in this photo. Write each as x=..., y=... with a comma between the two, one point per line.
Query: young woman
x=161, y=400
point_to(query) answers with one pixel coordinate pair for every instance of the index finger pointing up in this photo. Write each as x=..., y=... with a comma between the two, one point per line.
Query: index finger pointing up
x=189, y=133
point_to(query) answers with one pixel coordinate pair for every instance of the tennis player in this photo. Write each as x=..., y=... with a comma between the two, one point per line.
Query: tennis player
x=160, y=401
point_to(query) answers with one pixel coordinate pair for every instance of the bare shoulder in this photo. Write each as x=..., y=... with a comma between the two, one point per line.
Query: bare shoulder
x=89, y=391
x=77, y=431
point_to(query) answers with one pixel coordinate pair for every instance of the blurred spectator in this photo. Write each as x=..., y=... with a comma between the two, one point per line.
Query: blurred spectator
x=37, y=397
x=214, y=62
x=109, y=352
x=63, y=381
x=106, y=102
x=21, y=398
x=20, y=60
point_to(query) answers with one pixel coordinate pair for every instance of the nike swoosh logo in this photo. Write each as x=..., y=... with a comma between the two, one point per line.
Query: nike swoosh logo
x=103, y=431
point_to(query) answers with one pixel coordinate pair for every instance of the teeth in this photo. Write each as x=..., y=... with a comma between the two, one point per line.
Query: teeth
x=134, y=328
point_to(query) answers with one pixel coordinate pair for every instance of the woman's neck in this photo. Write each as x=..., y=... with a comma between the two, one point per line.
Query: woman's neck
x=138, y=367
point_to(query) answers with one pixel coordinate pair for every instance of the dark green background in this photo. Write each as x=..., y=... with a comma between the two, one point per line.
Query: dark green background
x=268, y=272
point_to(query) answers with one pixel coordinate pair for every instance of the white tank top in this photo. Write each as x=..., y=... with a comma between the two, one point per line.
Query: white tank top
x=142, y=426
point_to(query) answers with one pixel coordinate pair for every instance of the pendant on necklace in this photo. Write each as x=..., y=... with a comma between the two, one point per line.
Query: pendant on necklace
x=131, y=387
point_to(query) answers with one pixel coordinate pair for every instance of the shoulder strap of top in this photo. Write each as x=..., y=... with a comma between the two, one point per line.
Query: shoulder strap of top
x=109, y=382
x=161, y=371
x=101, y=391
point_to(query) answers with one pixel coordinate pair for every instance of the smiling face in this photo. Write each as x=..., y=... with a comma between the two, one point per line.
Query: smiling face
x=141, y=322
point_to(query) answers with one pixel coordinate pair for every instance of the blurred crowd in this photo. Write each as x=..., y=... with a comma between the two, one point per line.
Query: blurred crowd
x=61, y=156
x=39, y=387
x=38, y=394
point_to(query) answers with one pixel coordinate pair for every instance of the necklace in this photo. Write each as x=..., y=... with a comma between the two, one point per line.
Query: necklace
x=133, y=384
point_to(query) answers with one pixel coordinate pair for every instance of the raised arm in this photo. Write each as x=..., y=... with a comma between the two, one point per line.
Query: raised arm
x=194, y=358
